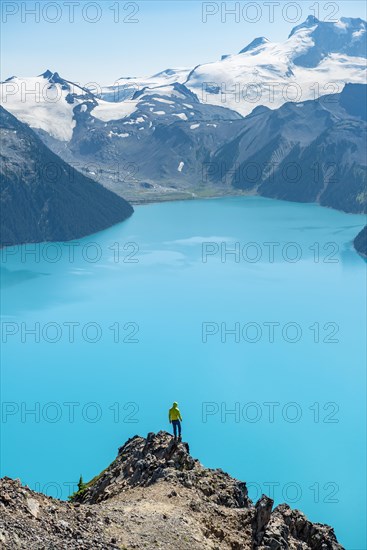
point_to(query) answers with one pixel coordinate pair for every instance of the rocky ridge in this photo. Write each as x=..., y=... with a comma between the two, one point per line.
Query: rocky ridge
x=155, y=495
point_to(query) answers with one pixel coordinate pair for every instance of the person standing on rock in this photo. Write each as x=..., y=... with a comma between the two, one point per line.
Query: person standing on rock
x=175, y=418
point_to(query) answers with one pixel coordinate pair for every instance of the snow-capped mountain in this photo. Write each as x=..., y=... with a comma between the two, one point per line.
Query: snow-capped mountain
x=149, y=138
x=45, y=102
x=318, y=58
x=346, y=36
x=126, y=87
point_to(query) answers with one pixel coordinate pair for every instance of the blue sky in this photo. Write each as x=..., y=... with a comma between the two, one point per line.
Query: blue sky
x=164, y=34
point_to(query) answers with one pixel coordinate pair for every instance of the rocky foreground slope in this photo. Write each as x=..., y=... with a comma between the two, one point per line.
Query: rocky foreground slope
x=155, y=495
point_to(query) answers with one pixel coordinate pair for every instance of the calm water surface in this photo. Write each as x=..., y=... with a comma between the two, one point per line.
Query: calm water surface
x=262, y=347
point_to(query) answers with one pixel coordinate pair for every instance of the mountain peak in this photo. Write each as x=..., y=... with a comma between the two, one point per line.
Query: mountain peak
x=346, y=36
x=154, y=494
x=166, y=72
x=309, y=22
x=143, y=461
x=47, y=74
x=159, y=467
x=54, y=77
x=346, y=25
x=255, y=43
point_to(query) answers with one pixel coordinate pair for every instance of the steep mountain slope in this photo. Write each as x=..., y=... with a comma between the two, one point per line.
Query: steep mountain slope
x=308, y=152
x=43, y=198
x=155, y=495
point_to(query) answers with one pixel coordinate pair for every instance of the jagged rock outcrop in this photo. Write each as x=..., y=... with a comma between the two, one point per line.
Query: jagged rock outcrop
x=142, y=462
x=155, y=495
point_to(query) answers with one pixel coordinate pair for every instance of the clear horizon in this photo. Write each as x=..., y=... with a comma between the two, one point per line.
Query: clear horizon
x=147, y=36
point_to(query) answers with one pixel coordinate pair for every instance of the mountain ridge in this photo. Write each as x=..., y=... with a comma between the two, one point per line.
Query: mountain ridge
x=156, y=495
x=332, y=52
x=308, y=152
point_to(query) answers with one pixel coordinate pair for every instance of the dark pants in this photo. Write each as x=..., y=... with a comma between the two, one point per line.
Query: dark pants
x=176, y=424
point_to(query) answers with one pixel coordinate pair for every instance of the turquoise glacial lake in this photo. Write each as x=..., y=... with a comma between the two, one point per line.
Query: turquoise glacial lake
x=249, y=312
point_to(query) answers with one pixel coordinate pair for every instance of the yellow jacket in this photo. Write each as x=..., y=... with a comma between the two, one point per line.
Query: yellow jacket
x=174, y=413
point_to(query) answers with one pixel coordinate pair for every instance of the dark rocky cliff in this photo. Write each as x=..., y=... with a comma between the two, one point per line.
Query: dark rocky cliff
x=45, y=199
x=360, y=242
